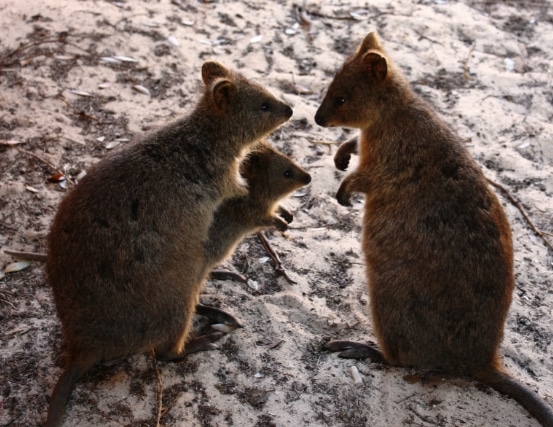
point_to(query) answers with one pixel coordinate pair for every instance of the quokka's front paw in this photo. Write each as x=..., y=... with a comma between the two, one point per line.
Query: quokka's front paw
x=341, y=160
x=280, y=224
x=343, y=195
x=285, y=214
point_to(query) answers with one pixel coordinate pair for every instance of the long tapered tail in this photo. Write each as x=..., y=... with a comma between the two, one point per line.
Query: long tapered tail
x=509, y=386
x=61, y=394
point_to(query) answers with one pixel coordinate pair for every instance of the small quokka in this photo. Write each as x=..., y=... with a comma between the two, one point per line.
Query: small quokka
x=437, y=244
x=125, y=255
x=270, y=177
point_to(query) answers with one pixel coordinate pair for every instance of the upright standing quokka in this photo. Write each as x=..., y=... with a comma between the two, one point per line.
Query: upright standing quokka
x=126, y=256
x=437, y=243
x=270, y=176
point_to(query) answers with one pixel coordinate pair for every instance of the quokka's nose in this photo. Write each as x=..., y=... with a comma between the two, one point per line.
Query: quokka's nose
x=319, y=119
x=288, y=111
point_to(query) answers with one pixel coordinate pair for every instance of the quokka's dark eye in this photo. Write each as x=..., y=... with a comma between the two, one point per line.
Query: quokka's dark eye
x=340, y=100
x=288, y=174
x=265, y=106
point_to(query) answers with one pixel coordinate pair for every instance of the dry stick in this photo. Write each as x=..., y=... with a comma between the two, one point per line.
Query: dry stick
x=466, y=62
x=46, y=162
x=22, y=47
x=159, y=391
x=278, y=264
x=522, y=211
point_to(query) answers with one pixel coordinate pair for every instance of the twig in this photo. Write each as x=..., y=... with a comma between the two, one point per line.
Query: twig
x=466, y=62
x=61, y=38
x=159, y=391
x=278, y=264
x=522, y=211
x=46, y=162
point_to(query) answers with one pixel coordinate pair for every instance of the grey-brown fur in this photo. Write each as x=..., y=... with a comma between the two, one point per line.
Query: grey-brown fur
x=436, y=241
x=126, y=249
x=270, y=176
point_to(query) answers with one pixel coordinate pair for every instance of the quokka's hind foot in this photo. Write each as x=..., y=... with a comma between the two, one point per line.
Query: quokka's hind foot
x=225, y=322
x=355, y=350
x=194, y=345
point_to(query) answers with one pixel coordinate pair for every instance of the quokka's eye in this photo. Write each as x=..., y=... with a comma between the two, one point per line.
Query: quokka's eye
x=265, y=106
x=288, y=174
x=340, y=101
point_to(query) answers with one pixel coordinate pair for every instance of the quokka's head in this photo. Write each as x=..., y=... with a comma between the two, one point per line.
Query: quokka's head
x=244, y=107
x=359, y=88
x=271, y=175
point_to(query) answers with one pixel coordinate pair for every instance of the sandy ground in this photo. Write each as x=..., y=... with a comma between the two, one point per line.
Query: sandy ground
x=485, y=66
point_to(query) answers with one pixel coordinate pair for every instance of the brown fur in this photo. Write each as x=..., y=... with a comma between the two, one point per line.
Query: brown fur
x=125, y=252
x=437, y=243
x=270, y=176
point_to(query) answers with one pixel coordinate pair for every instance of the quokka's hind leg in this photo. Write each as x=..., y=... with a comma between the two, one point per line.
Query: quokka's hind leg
x=355, y=350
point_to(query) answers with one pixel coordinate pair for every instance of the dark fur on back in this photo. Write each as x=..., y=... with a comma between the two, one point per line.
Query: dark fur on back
x=125, y=251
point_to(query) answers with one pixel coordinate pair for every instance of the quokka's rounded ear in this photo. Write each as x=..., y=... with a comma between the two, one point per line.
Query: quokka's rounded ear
x=376, y=65
x=249, y=164
x=222, y=92
x=212, y=70
x=371, y=42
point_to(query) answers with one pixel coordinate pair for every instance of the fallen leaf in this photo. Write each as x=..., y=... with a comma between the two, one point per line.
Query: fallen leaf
x=16, y=266
x=80, y=92
x=31, y=189
x=112, y=144
x=141, y=89
x=256, y=39
x=57, y=177
x=12, y=142
x=110, y=60
x=173, y=41
x=150, y=24
x=105, y=85
x=125, y=58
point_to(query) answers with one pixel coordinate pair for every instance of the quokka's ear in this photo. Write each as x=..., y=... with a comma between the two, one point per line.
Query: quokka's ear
x=376, y=65
x=249, y=164
x=212, y=70
x=222, y=92
x=371, y=42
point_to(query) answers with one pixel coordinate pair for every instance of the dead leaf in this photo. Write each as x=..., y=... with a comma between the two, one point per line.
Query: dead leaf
x=80, y=92
x=125, y=58
x=173, y=41
x=31, y=189
x=16, y=266
x=57, y=177
x=256, y=39
x=141, y=89
x=11, y=142
x=109, y=60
